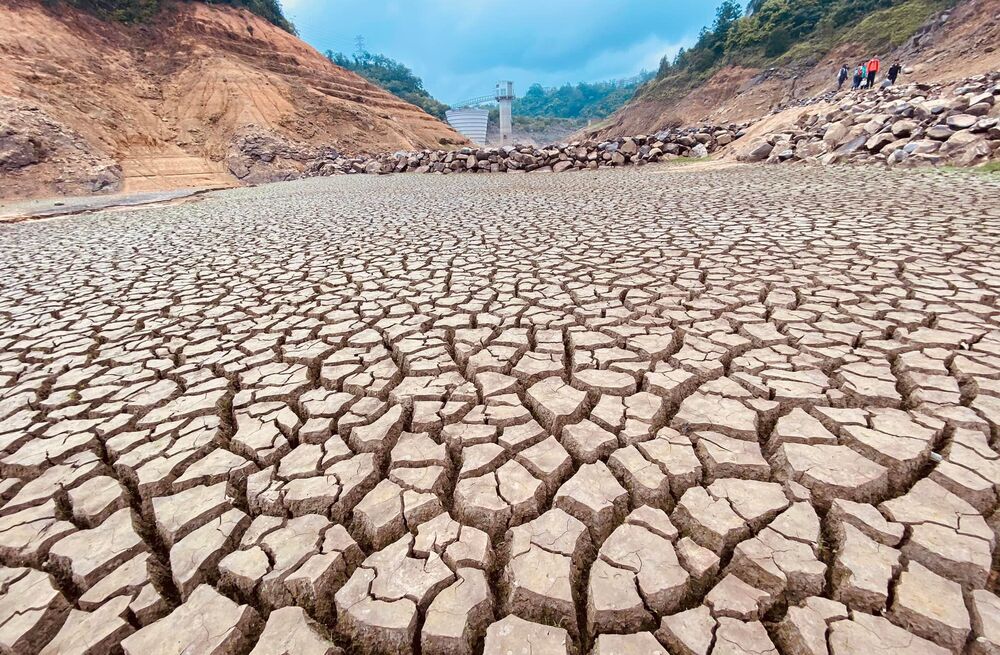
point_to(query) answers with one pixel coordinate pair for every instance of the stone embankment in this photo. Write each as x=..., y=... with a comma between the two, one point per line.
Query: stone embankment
x=262, y=156
x=911, y=125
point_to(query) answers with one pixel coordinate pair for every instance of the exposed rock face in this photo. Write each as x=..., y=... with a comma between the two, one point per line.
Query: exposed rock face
x=18, y=150
x=159, y=104
x=255, y=157
x=35, y=146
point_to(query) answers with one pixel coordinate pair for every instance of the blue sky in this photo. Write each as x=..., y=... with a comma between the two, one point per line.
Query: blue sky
x=462, y=47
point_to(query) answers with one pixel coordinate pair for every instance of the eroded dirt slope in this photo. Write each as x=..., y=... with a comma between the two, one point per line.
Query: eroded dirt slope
x=166, y=101
x=966, y=42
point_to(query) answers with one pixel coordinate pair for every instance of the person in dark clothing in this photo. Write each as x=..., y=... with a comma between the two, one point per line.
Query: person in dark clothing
x=859, y=75
x=894, y=72
x=842, y=77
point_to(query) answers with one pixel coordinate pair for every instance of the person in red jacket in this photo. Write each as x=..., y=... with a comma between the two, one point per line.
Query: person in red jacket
x=873, y=66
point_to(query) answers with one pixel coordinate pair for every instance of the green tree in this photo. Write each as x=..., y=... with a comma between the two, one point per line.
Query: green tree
x=664, y=68
x=769, y=29
x=726, y=16
x=578, y=101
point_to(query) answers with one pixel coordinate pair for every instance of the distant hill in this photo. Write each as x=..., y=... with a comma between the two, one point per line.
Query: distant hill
x=541, y=115
x=392, y=76
x=584, y=100
x=766, y=55
x=549, y=115
x=778, y=32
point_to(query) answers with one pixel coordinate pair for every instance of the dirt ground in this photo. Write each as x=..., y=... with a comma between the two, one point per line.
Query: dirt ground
x=690, y=409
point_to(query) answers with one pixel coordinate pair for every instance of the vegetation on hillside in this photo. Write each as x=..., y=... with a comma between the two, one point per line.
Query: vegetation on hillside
x=539, y=124
x=538, y=109
x=392, y=76
x=581, y=101
x=135, y=11
x=782, y=32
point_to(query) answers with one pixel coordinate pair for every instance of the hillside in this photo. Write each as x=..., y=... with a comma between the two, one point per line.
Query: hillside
x=585, y=100
x=130, y=11
x=745, y=67
x=197, y=94
x=392, y=76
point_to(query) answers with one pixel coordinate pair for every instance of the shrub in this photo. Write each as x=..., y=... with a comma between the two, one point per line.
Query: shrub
x=137, y=11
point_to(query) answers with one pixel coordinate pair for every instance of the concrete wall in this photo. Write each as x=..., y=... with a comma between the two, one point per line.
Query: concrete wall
x=470, y=122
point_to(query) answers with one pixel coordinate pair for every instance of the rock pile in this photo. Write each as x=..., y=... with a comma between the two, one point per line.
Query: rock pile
x=911, y=125
x=696, y=142
x=257, y=156
x=37, y=150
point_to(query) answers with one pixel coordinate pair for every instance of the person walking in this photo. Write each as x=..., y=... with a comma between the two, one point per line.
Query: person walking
x=859, y=75
x=873, y=66
x=842, y=77
x=894, y=72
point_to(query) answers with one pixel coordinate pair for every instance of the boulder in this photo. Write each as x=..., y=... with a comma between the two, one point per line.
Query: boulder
x=880, y=141
x=922, y=147
x=940, y=132
x=904, y=128
x=835, y=133
x=985, y=125
x=760, y=152
x=18, y=151
x=852, y=146
x=971, y=154
x=962, y=121
x=700, y=151
x=810, y=150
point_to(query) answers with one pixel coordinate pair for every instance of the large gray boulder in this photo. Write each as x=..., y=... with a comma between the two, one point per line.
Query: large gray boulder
x=760, y=152
x=18, y=151
x=962, y=121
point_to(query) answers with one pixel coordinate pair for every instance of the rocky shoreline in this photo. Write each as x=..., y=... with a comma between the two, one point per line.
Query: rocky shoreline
x=911, y=125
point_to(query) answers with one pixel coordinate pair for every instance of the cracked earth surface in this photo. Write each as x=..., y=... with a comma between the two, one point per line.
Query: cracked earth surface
x=736, y=411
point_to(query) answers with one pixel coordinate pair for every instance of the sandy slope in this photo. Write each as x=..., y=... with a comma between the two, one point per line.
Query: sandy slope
x=165, y=100
x=966, y=44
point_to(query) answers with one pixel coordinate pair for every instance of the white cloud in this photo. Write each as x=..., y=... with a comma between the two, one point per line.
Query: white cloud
x=608, y=64
x=460, y=48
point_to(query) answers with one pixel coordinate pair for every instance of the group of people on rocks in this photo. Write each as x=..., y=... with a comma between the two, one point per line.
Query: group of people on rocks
x=866, y=74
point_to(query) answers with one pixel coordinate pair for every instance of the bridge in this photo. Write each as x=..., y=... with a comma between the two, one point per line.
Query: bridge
x=469, y=118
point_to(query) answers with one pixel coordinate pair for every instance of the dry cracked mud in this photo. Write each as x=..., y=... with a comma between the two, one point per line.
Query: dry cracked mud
x=698, y=412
